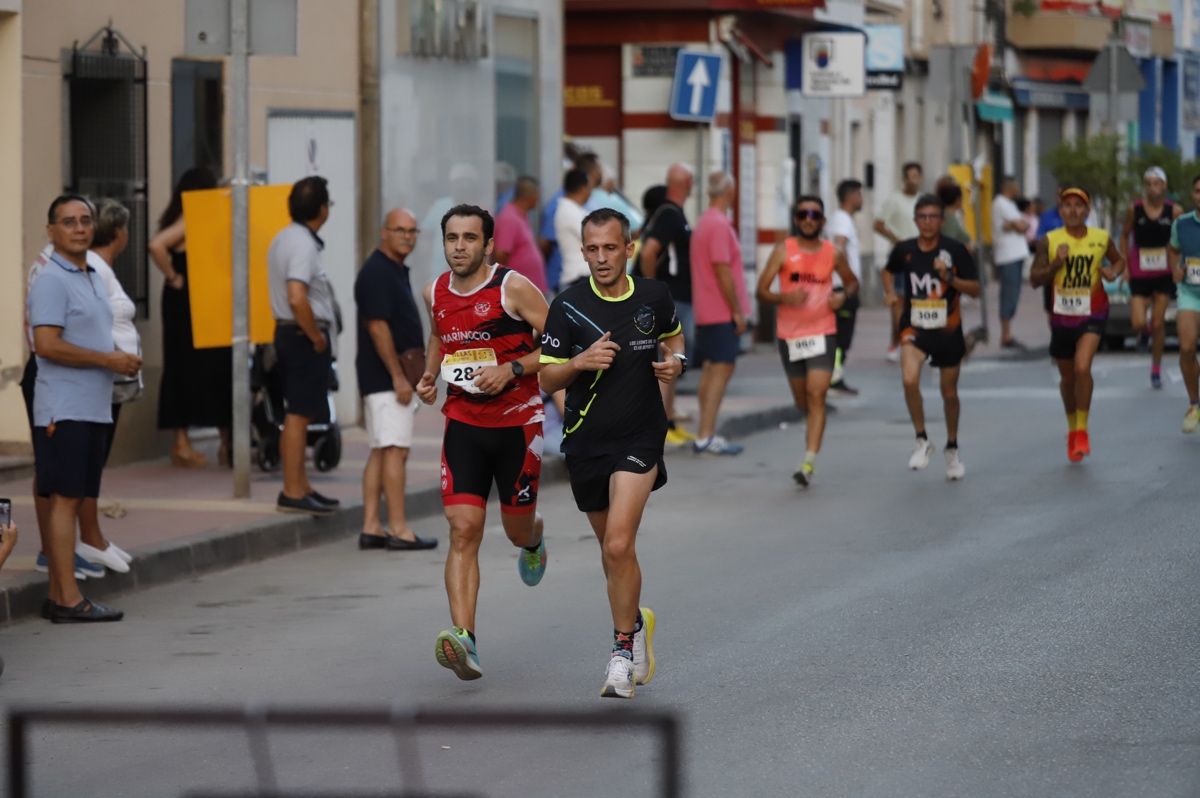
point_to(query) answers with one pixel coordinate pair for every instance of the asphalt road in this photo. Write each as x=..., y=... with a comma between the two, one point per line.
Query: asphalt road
x=1030, y=631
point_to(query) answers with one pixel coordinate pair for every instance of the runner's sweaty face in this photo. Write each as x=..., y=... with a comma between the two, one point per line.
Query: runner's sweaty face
x=929, y=220
x=466, y=249
x=810, y=220
x=1156, y=189
x=1074, y=212
x=606, y=252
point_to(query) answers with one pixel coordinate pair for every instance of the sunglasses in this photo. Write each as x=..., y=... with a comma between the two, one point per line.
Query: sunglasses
x=815, y=216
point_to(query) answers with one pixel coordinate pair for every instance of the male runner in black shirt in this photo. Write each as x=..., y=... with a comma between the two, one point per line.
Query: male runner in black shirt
x=609, y=341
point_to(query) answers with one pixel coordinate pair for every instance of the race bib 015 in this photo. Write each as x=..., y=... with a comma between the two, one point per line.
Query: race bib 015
x=1073, y=304
x=462, y=367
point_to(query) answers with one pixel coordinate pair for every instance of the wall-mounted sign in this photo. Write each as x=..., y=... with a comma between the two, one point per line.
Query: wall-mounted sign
x=455, y=29
x=591, y=96
x=834, y=64
x=654, y=61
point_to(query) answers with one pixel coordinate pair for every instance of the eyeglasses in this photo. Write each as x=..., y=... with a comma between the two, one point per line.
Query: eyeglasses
x=404, y=231
x=71, y=222
x=928, y=217
x=815, y=216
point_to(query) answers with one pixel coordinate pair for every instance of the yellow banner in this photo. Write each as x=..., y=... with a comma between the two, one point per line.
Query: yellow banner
x=963, y=175
x=208, y=218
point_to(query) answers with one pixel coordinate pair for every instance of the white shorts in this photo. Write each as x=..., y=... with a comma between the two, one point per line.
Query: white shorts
x=388, y=422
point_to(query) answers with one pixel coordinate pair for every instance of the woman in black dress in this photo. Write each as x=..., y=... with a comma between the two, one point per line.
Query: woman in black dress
x=197, y=384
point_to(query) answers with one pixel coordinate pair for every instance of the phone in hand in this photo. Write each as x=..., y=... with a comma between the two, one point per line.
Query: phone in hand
x=5, y=513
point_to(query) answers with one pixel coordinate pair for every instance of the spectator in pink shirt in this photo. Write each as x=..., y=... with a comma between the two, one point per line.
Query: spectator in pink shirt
x=721, y=305
x=516, y=246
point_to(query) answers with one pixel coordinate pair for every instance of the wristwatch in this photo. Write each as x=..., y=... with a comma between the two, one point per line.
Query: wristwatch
x=517, y=368
x=683, y=361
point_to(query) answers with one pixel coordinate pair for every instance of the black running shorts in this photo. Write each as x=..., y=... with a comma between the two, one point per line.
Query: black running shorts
x=1065, y=340
x=590, y=475
x=945, y=350
x=475, y=457
x=1149, y=286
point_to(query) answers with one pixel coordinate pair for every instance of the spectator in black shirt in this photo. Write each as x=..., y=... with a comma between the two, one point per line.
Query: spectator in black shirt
x=666, y=256
x=389, y=338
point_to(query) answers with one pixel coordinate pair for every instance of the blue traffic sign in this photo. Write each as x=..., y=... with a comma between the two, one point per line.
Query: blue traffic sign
x=694, y=94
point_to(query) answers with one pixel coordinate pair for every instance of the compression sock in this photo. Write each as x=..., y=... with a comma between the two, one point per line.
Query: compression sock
x=952, y=443
x=622, y=644
x=1081, y=420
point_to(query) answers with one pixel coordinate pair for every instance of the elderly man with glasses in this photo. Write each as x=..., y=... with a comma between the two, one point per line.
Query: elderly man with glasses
x=390, y=360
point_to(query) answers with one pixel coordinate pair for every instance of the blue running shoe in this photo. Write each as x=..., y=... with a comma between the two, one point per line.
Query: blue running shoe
x=531, y=565
x=83, y=568
x=1156, y=380
x=456, y=651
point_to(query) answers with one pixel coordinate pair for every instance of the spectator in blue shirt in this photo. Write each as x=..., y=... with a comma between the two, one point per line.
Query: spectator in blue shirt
x=72, y=321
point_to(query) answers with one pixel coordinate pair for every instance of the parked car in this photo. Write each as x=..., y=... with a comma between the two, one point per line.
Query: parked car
x=1120, y=325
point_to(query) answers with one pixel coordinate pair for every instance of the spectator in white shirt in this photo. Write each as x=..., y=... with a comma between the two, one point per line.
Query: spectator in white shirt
x=568, y=226
x=1009, y=250
x=844, y=235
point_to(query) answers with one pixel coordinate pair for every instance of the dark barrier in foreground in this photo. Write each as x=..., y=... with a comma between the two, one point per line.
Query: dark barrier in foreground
x=257, y=722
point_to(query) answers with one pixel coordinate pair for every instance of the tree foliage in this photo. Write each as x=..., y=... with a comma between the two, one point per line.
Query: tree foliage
x=1097, y=164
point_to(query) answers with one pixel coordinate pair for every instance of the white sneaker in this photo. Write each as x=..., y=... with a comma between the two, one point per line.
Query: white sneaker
x=643, y=649
x=618, y=678
x=920, y=455
x=120, y=552
x=108, y=558
x=955, y=470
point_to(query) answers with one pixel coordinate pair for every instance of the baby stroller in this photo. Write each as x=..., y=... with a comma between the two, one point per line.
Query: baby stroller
x=324, y=435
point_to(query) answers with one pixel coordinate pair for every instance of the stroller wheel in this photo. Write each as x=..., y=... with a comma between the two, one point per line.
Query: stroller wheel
x=327, y=451
x=267, y=454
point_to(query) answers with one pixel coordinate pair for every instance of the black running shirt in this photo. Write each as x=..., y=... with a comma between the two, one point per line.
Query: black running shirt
x=936, y=306
x=608, y=410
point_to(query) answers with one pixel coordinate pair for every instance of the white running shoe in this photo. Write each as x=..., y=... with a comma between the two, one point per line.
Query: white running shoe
x=920, y=455
x=120, y=552
x=618, y=678
x=643, y=649
x=1191, y=422
x=955, y=470
x=108, y=558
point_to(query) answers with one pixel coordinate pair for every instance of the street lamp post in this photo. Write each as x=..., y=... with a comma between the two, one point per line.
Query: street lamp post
x=239, y=68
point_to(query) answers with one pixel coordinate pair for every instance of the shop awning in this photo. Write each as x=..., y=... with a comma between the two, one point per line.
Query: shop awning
x=994, y=107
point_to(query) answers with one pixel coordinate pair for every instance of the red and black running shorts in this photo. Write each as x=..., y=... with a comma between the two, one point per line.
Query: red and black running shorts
x=475, y=457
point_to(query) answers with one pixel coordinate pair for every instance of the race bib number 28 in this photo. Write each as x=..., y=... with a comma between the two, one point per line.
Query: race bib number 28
x=462, y=367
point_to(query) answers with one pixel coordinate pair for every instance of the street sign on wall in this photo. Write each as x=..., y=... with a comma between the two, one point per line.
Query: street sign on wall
x=694, y=93
x=834, y=65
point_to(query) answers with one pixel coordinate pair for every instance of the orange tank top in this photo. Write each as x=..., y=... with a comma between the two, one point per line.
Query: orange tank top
x=811, y=272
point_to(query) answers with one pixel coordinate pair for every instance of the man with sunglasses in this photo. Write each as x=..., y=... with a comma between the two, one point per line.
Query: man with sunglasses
x=806, y=322
x=935, y=271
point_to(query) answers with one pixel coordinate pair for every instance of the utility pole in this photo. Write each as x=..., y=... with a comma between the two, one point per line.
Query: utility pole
x=239, y=74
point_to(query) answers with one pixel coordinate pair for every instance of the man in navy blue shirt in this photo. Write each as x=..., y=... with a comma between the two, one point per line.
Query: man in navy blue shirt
x=389, y=334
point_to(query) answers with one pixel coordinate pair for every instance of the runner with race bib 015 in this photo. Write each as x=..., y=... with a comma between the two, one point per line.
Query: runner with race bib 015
x=806, y=320
x=935, y=271
x=1071, y=261
x=482, y=344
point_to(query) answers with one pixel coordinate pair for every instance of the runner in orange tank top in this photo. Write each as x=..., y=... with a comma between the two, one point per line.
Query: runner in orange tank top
x=806, y=321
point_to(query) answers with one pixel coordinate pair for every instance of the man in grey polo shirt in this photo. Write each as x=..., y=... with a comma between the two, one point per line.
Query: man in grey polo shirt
x=72, y=321
x=302, y=303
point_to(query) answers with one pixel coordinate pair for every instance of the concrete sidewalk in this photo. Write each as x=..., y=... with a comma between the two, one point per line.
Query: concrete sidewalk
x=182, y=522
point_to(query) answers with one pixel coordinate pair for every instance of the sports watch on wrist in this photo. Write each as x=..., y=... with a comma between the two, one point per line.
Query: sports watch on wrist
x=683, y=361
x=518, y=370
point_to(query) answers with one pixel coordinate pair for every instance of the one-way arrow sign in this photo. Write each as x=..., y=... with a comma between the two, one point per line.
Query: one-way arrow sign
x=694, y=93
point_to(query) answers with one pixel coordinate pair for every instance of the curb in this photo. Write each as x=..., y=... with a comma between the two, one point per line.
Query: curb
x=187, y=558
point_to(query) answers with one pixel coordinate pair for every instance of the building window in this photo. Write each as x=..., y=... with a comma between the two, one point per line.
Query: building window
x=105, y=142
x=517, y=119
x=197, y=117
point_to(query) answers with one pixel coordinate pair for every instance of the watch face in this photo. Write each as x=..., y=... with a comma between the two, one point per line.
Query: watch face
x=517, y=368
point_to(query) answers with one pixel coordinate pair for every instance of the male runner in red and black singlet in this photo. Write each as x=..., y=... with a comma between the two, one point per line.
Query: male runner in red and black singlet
x=483, y=345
